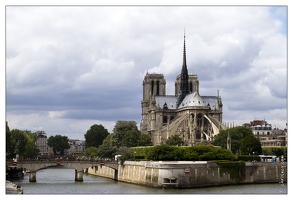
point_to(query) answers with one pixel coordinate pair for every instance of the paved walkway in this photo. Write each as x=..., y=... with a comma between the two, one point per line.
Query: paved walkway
x=12, y=188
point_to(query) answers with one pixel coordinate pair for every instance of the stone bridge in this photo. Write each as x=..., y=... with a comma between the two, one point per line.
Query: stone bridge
x=34, y=165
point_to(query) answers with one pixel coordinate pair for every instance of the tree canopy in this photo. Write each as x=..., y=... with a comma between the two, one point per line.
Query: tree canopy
x=193, y=153
x=91, y=151
x=121, y=129
x=107, y=150
x=144, y=140
x=240, y=136
x=125, y=134
x=130, y=138
x=31, y=150
x=20, y=143
x=58, y=143
x=95, y=135
x=250, y=145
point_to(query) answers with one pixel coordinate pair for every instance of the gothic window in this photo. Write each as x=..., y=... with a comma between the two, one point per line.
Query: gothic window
x=191, y=118
x=158, y=88
x=190, y=86
x=197, y=135
x=165, y=120
x=199, y=120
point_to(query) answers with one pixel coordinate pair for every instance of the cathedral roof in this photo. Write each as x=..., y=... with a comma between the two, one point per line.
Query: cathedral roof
x=166, y=102
x=194, y=99
x=212, y=101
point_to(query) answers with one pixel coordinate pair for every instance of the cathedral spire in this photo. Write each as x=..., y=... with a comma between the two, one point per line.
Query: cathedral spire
x=184, y=89
x=184, y=53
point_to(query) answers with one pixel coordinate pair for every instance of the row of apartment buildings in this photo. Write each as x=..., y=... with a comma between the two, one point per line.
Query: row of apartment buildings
x=267, y=135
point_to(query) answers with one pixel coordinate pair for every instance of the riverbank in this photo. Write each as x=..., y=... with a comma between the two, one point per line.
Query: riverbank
x=194, y=174
x=60, y=181
x=12, y=188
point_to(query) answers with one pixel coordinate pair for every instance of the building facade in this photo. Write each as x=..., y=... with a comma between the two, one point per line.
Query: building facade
x=193, y=117
x=267, y=135
x=76, y=146
x=42, y=142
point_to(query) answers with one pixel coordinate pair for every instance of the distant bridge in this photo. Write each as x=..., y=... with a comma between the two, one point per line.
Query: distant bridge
x=79, y=165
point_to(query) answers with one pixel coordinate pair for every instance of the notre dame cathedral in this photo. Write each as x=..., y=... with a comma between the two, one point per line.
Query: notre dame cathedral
x=193, y=117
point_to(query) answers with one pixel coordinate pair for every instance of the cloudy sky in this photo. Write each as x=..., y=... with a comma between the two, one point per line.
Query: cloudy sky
x=69, y=67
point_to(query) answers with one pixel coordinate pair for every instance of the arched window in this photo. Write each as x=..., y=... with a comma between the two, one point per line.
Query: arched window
x=199, y=120
x=191, y=118
x=158, y=88
x=152, y=89
x=190, y=86
x=165, y=120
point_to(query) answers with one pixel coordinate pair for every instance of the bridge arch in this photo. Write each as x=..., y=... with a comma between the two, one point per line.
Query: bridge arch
x=79, y=166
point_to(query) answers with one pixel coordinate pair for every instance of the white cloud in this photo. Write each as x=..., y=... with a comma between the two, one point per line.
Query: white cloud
x=66, y=65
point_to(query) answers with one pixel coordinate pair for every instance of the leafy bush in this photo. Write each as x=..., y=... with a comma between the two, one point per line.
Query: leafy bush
x=193, y=153
x=190, y=154
x=141, y=151
x=218, y=154
x=248, y=158
x=274, y=150
x=161, y=152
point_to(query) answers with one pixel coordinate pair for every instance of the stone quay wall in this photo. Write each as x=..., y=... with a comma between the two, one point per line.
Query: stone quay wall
x=101, y=171
x=192, y=174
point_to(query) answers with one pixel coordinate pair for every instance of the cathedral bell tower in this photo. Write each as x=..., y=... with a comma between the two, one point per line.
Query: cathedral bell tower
x=153, y=85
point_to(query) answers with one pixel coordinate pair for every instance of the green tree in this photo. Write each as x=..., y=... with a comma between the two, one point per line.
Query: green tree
x=274, y=150
x=175, y=140
x=107, y=150
x=17, y=144
x=91, y=151
x=58, y=143
x=95, y=135
x=236, y=134
x=250, y=144
x=120, y=129
x=144, y=140
x=31, y=150
x=130, y=139
x=126, y=154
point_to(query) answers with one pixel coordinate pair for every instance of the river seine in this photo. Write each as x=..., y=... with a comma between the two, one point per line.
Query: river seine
x=60, y=180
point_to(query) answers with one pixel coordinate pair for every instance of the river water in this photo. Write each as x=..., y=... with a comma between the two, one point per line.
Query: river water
x=60, y=180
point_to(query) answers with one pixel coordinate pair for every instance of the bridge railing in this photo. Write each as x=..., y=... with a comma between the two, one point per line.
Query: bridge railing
x=10, y=162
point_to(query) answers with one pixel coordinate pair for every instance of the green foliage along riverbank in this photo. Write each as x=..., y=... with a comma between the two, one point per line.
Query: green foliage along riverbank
x=188, y=153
